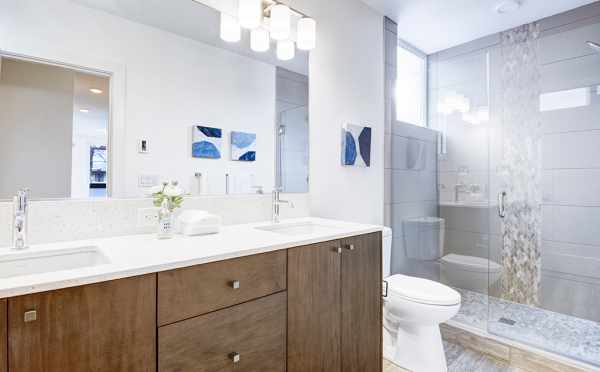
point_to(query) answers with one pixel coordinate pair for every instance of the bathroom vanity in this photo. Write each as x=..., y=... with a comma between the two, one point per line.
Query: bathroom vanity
x=309, y=301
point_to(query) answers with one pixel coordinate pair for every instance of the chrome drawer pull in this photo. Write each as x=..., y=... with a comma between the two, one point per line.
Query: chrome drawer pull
x=350, y=247
x=235, y=284
x=235, y=357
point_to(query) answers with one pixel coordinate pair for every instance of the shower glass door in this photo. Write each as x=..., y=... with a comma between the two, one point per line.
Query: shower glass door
x=546, y=99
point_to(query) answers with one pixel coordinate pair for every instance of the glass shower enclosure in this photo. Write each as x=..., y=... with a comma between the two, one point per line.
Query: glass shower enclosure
x=519, y=182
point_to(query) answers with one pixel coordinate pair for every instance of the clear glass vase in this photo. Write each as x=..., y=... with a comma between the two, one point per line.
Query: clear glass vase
x=165, y=223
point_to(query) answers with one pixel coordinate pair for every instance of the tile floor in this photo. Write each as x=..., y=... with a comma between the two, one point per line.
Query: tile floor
x=462, y=360
x=570, y=336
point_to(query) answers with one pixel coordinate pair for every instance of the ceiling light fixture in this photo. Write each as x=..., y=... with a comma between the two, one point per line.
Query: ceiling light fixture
x=250, y=13
x=85, y=111
x=307, y=34
x=281, y=22
x=286, y=50
x=270, y=20
x=231, y=31
x=96, y=90
x=507, y=6
x=259, y=40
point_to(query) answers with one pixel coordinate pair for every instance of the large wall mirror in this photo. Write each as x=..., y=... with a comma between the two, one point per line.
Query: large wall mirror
x=108, y=98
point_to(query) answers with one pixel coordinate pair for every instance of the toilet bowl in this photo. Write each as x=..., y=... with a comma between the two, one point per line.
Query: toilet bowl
x=469, y=272
x=413, y=311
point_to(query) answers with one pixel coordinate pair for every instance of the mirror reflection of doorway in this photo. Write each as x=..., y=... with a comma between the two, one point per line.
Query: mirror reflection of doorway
x=292, y=131
x=48, y=149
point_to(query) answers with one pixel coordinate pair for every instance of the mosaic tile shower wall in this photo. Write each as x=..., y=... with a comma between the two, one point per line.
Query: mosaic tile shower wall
x=521, y=168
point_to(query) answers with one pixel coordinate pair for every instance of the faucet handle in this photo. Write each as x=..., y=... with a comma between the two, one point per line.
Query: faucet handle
x=22, y=199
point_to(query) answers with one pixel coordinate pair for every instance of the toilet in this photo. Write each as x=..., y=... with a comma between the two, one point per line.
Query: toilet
x=472, y=273
x=413, y=311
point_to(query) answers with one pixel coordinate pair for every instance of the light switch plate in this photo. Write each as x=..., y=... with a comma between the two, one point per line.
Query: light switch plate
x=148, y=180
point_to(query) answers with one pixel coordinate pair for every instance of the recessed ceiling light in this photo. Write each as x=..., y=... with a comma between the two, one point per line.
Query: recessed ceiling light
x=85, y=111
x=96, y=90
x=507, y=6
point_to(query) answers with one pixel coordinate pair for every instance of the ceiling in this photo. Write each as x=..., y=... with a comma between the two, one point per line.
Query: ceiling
x=434, y=25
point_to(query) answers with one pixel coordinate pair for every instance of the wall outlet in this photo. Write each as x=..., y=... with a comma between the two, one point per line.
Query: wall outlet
x=147, y=217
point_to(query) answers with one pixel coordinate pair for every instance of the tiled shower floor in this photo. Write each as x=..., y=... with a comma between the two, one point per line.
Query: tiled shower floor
x=558, y=333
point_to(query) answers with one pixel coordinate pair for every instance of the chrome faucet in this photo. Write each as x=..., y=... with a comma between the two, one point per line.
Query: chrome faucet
x=21, y=208
x=277, y=203
x=460, y=188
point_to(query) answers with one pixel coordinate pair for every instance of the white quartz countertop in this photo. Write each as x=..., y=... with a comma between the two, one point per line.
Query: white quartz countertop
x=142, y=254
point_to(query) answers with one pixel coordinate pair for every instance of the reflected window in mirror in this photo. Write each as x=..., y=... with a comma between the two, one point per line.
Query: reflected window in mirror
x=54, y=124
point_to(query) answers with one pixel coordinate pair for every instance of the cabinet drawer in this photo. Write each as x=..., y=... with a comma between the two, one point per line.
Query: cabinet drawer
x=255, y=330
x=189, y=292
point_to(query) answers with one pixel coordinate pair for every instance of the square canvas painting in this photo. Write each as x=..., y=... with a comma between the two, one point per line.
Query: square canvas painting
x=356, y=146
x=206, y=142
x=243, y=146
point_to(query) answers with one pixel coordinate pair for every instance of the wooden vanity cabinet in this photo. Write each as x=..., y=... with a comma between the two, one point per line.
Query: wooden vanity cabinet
x=334, y=306
x=109, y=326
x=314, y=308
x=3, y=337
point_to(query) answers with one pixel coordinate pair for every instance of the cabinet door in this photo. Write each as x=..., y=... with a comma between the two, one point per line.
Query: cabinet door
x=3, y=337
x=314, y=308
x=361, y=304
x=102, y=327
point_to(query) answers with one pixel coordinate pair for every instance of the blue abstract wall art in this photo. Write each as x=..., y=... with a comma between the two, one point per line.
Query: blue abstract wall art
x=356, y=146
x=206, y=142
x=243, y=146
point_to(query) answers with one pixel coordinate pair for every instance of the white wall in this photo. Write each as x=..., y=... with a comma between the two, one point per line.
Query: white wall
x=172, y=83
x=346, y=86
x=36, y=122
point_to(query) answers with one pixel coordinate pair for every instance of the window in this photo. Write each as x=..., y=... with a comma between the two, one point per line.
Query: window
x=411, y=87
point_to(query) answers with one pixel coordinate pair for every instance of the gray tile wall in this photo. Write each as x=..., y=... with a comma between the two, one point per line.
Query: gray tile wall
x=413, y=173
x=391, y=41
x=410, y=164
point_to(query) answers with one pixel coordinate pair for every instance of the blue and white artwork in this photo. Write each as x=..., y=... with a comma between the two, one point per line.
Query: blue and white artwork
x=243, y=146
x=206, y=142
x=356, y=146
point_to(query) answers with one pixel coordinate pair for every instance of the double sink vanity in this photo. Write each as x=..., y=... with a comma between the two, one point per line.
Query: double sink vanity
x=301, y=295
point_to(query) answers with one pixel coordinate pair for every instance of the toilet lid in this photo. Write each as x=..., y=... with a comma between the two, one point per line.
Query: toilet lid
x=422, y=290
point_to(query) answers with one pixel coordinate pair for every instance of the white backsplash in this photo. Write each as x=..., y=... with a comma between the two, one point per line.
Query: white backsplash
x=64, y=220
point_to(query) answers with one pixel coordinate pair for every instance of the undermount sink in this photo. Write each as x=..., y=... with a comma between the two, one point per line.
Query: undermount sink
x=299, y=228
x=31, y=262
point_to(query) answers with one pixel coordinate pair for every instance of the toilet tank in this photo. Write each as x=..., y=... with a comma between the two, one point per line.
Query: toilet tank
x=386, y=254
x=424, y=238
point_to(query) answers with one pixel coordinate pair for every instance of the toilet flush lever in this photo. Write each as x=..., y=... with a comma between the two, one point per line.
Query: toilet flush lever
x=384, y=288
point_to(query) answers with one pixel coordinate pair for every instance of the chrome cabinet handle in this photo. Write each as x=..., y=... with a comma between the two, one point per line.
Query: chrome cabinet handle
x=350, y=247
x=501, y=205
x=235, y=284
x=235, y=357
x=337, y=250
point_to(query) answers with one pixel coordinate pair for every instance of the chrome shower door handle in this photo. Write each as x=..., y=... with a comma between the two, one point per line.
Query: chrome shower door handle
x=501, y=204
